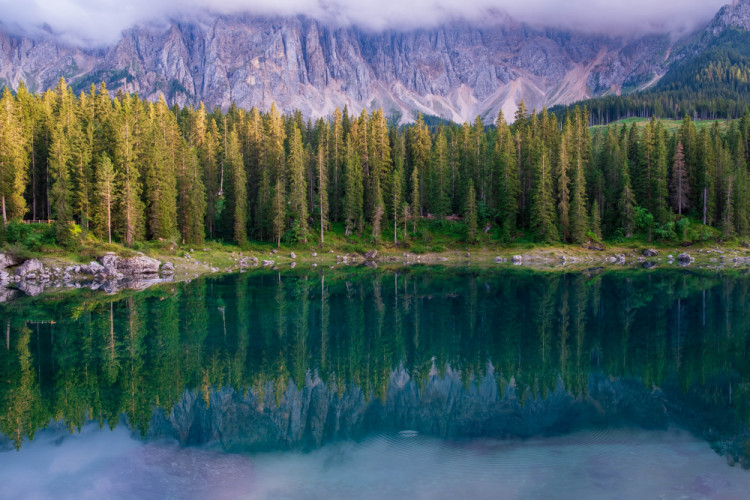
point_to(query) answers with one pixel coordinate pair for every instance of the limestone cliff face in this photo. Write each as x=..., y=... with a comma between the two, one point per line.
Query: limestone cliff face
x=733, y=15
x=456, y=71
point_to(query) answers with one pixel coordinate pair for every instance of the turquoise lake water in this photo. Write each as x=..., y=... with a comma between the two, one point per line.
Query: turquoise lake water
x=424, y=382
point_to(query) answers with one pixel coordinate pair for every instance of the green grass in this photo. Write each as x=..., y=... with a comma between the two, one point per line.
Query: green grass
x=669, y=125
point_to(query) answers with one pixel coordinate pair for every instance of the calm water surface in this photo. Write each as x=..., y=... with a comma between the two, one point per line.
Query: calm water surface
x=416, y=383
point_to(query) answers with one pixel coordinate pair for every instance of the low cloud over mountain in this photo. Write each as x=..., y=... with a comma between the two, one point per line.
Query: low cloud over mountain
x=100, y=22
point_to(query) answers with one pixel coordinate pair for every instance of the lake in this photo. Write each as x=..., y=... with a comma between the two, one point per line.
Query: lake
x=421, y=382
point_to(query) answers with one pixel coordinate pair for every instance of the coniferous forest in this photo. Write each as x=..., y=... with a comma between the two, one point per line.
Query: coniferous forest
x=127, y=170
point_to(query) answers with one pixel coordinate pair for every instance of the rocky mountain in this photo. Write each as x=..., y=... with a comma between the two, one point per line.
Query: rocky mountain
x=455, y=71
x=734, y=15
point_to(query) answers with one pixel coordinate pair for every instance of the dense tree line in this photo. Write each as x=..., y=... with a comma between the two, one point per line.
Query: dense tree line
x=130, y=170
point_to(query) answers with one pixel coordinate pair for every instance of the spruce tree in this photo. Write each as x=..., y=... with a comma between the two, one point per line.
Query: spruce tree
x=12, y=161
x=542, y=202
x=128, y=203
x=596, y=220
x=507, y=178
x=322, y=173
x=297, y=186
x=238, y=188
x=626, y=203
x=680, y=189
x=470, y=213
x=353, y=201
x=414, y=198
x=106, y=187
x=563, y=183
x=191, y=198
x=439, y=181
x=396, y=200
x=60, y=179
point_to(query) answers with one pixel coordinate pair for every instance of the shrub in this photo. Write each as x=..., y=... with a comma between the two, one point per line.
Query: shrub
x=31, y=236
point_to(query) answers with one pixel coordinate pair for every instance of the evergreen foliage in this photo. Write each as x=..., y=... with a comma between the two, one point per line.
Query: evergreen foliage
x=128, y=170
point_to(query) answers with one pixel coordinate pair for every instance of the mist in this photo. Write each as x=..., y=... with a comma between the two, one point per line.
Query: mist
x=589, y=464
x=101, y=22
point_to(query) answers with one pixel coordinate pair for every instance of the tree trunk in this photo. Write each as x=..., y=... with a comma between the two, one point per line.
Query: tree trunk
x=5, y=217
x=109, y=218
x=705, y=204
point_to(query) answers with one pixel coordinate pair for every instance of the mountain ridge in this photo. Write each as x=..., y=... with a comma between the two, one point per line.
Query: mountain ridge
x=456, y=71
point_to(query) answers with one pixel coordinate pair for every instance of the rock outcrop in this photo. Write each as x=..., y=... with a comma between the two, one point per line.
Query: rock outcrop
x=7, y=260
x=111, y=274
x=31, y=269
x=456, y=71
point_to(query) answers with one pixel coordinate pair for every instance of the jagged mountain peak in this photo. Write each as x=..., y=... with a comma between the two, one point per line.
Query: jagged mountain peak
x=732, y=15
x=456, y=71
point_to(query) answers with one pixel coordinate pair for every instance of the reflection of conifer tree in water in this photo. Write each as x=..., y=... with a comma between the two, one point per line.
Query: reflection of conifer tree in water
x=19, y=395
x=545, y=315
x=194, y=330
x=68, y=387
x=138, y=407
x=396, y=327
x=280, y=375
x=578, y=323
x=382, y=344
x=164, y=383
x=110, y=358
x=564, y=333
x=461, y=357
x=324, y=327
x=236, y=375
x=109, y=370
x=502, y=325
x=358, y=361
x=301, y=329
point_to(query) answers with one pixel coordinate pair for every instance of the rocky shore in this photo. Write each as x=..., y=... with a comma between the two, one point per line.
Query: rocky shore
x=110, y=273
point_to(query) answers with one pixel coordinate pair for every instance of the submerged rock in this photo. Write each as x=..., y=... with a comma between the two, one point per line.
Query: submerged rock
x=93, y=268
x=30, y=288
x=684, y=259
x=167, y=268
x=7, y=294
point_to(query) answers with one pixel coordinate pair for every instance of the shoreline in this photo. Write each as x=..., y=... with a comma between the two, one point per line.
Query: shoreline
x=60, y=273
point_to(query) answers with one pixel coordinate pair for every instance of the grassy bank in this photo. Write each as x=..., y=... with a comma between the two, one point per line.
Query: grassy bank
x=433, y=241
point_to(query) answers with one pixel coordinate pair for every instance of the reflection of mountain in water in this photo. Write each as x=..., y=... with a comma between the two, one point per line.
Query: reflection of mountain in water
x=264, y=361
x=443, y=407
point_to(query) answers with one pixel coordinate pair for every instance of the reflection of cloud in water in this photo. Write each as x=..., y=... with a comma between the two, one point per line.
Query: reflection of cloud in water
x=102, y=464
x=596, y=464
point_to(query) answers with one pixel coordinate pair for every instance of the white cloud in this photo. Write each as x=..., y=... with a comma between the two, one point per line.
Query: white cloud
x=102, y=21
